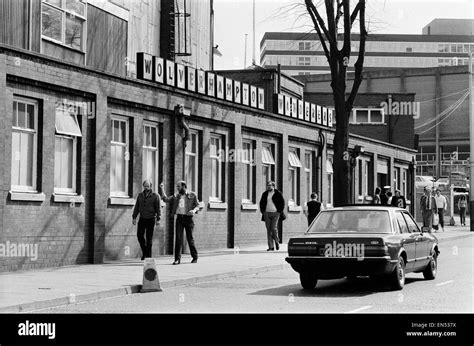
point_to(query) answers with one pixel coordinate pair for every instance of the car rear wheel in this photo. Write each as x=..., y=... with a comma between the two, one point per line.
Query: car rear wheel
x=308, y=280
x=397, y=277
x=431, y=269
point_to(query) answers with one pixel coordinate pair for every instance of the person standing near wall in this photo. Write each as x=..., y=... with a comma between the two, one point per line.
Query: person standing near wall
x=398, y=200
x=377, y=199
x=272, y=205
x=428, y=208
x=148, y=205
x=442, y=205
x=312, y=208
x=462, y=205
x=184, y=204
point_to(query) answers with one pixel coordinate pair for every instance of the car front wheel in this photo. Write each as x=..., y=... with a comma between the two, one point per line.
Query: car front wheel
x=431, y=269
x=308, y=280
x=397, y=277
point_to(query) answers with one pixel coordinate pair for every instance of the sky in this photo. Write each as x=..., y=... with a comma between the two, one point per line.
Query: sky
x=233, y=19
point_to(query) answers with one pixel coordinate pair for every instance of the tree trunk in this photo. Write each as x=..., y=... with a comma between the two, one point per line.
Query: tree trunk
x=342, y=173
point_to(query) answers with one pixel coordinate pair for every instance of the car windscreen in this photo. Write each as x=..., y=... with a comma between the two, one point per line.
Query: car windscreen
x=351, y=221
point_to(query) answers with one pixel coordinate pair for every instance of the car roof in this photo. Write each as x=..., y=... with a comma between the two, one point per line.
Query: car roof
x=366, y=207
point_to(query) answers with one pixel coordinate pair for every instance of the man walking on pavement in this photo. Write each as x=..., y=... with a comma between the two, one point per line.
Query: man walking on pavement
x=428, y=208
x=184, y=204
x=442, y=205
x=272, y=204
x=148, y=205
x=312, y=208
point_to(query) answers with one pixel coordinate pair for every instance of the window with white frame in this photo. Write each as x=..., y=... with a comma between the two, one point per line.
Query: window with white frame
x=191, y=163
x=366, y=178
x=367, y=116
x=268, y=163
x=308, y=172
x=217, y=169
x=64, y=22
x=294, y=164
x=304, y=45
x=24, y=145
x=249, y=175
x=65, y=150
x=360, y=179
x=304, y=61
x=330, y=178
x=404, y=181
x=396, y=178
x=119, y=156
x=150, y=153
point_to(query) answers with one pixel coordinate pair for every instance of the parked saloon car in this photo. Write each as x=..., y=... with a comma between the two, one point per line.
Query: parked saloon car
x=378, y=241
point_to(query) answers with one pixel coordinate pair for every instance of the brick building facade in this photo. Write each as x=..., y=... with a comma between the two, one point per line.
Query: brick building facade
x=79, y=133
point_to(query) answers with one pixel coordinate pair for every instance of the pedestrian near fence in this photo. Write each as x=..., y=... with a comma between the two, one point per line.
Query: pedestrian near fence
x=148, y=205
x=462, y=205
x=184, y=204
x=442, y=205
x=428, y=208
x=272, y=205
x=312, y=208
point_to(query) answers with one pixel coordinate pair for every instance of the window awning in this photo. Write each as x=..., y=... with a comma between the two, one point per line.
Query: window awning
x=267, y=157
x=329, y=168
x=66, y=123
x=294, y=160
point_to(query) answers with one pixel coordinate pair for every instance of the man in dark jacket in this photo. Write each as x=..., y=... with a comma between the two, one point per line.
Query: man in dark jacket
x=184, y=204
x=312, y=208
x=398, y=200
x=148, y=205
x=272, y=205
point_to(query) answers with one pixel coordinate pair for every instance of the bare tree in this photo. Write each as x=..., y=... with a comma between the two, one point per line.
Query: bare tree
x=338, y=59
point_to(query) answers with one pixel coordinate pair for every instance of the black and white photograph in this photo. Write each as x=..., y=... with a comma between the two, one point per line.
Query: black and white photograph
x=222, y=161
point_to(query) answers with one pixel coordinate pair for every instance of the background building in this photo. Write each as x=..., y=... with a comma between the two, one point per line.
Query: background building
x=301, y=53
x=441, y=111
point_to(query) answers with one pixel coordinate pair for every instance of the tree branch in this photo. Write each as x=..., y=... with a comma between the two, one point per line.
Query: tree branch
x=354, y=13
x=346, y=48
x=360, y=59
x=318, y=30
x=320, y=21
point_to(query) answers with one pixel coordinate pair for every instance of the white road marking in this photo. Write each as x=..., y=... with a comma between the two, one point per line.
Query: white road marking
x=359, y=309
x=444, y=283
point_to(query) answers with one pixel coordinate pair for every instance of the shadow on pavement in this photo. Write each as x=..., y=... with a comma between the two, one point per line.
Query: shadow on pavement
x=355, y=287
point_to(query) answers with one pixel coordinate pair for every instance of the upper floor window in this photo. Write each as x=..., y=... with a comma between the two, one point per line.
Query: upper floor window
x=64, y=22
x=24, y=145
x=367, y=116
x=304, y=45
x=304, y=60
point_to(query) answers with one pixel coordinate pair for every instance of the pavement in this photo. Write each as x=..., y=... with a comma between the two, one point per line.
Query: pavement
x=33, y=290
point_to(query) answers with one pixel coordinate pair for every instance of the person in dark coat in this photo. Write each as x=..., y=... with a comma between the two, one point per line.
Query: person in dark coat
x=148, y=205
x=398, y=200
x=272, y=205
x=312, y=208
x=428, y=208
